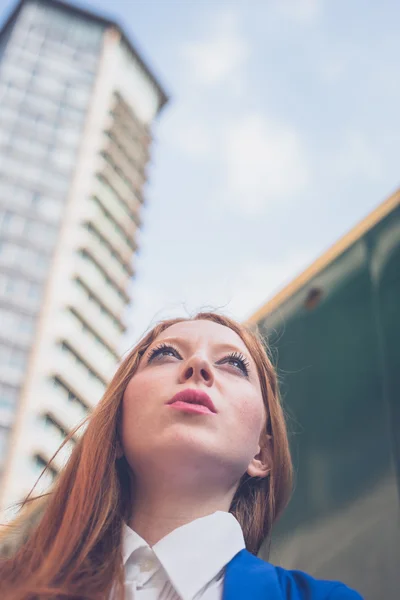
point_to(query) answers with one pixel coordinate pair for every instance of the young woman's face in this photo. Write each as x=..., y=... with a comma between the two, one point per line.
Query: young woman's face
x=194, y=403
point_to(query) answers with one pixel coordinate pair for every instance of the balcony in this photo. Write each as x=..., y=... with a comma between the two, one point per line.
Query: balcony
x=47, y=442
x=96, y=318
x=98, y=358
x=131, y=143
x=110, y=298
x=78, y=378
x=68, y=413
x=129, y=166
x=127, y=219
x=107, y=230
x=110, y=264
x=122, y=188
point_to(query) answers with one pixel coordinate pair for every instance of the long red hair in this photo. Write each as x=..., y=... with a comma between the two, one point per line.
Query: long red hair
x=75, y=550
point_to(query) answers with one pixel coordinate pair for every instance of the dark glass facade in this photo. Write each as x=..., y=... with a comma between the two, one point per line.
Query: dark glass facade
x=336, y=346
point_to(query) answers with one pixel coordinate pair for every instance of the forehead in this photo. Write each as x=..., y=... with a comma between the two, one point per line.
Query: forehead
x=203, y=332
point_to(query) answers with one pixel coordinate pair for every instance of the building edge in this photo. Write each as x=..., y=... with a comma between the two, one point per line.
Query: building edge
x=106, y=21
x=381, y=211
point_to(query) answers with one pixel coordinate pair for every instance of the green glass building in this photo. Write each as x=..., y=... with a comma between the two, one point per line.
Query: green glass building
x=334, y=333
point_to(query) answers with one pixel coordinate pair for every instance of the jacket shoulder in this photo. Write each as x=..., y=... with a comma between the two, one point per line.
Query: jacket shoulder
x=297, y=585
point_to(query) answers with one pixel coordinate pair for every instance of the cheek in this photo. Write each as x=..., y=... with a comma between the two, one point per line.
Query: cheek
x=251, y=417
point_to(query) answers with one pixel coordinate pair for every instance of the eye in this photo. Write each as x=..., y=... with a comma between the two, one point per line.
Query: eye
x=238, y=361
x=162, y=351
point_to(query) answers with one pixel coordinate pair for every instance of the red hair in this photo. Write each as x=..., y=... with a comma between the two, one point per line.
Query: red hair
x=75, y=550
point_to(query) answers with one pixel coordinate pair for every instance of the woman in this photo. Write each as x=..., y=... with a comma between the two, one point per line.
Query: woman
x=177, y=480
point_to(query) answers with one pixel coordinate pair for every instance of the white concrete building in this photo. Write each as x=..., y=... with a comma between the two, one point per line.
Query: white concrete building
x=76, y=106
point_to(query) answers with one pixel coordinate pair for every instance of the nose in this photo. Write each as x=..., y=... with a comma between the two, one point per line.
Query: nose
x=197, y=370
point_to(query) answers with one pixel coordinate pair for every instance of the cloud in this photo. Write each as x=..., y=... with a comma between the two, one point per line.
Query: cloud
x=221, y=55
x=265, y=162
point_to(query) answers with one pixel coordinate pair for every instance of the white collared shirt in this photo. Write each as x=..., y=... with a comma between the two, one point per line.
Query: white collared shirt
x=187, y=564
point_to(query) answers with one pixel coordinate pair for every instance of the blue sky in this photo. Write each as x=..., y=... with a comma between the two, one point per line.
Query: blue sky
x=282, y=132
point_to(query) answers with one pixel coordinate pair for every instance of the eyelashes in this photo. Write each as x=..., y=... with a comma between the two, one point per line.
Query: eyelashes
x=241, y=362
x=235, y=359
x=163, y=350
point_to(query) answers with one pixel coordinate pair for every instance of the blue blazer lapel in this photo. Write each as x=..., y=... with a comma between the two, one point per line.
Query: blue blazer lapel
x=248, y=577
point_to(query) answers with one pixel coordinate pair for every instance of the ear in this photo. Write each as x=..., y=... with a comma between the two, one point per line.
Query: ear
x=260, y=465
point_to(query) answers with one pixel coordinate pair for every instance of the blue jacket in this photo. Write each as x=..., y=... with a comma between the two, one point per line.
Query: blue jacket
x=250, y=578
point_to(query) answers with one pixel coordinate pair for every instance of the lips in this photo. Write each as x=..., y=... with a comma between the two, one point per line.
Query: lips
x=193, y=401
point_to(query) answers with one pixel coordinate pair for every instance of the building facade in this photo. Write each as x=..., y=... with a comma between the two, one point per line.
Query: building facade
x=76, y=107
x=334, y=332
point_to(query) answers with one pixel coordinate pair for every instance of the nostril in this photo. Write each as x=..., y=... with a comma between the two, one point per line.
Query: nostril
x=205, y=374
x=189, y=373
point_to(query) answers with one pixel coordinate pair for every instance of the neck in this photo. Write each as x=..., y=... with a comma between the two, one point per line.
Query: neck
x=157, y=512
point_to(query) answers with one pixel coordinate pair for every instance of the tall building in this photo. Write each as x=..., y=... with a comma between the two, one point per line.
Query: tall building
x=76, y=107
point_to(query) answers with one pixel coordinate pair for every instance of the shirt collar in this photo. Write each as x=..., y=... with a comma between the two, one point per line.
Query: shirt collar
x=194, y=554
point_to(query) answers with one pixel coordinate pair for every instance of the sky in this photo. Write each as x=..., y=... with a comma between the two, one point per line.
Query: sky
x=281, y=133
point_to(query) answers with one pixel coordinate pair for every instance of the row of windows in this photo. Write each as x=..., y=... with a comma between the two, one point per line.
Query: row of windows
x=48, y=137
x=106, y=244
x=129, y=240
x=36, y=231
x=100, y=306
x=60, y=25
x=49, y=208
x=52, y=111
x=37, y=43
x=68, y=394
x=109, y=189
x=8, y=394
x=68, y=350
x=88, y=258
x=20, y=291
x=33, y=113
x=12, y=357
x=37, y=90
x=34, y=174
x=16, y=322
x=8, y=405
x=89, y=331
x=4, y=439
x=27, y=259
